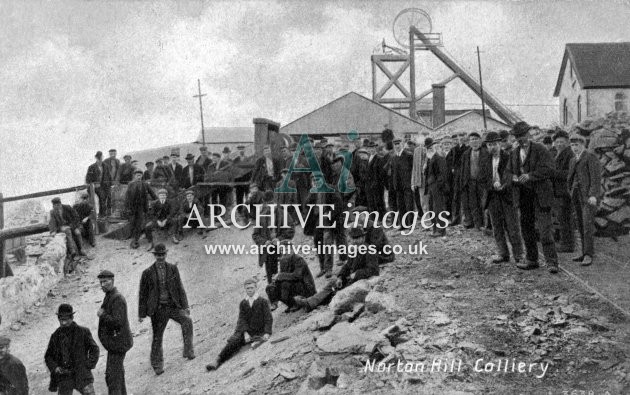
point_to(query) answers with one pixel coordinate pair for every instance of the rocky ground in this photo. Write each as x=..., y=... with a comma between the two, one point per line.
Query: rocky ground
x=448, y=306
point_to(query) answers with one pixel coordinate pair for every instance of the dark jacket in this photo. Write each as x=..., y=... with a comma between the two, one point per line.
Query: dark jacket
x=112, y=167
x=435, y=175
x=364, y=265
x=260, y=171
x=126, y=173
x=465, y=167
x=185, y=209
x=68, y=217
x=487, y=183
x=401, y=170
x=294, y=268
x=160, y=211
x=204, y=162
x=177, y=172
x=82, y=209
x=312, y=221
x=150, y=293
x=560, y=188
x=198, y=175
x=13, y=380
x=540, y=166
x=377, y=172
x=83, y=352
x=162, y=173
x=147, y=175
x=266, y=233
x=94, y=175
x=113, y=324
x=585, y=176
x=456, y=170
x=137, y=196
x=255, y=320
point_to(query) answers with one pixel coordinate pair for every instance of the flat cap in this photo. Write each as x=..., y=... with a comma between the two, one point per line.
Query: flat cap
x=162, y=191
x=362, y=151
x=474, y=134
x=250, y=280
x=56, y=200
x=99, y=154
x=396, y=141
x=166, y=157
x=148, y=164
x=112, y=150
x=492, y=137
x=240, y=147
x=189, y=191
x=560, y=134
x=190, y=156
x=577, y=138
x=105, y=274
x=372, y=144
x=126, y=156
x=138, y=171
x=160, y=249
x=547, y=140
x=4, y=341
x=203, y=148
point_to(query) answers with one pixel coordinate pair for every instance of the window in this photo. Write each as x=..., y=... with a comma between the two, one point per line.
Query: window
x=565, y=112
x=579, y=109
x=621, y=102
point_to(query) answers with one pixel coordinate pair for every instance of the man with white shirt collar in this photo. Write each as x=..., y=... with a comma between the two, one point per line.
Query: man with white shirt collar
x=254, y=324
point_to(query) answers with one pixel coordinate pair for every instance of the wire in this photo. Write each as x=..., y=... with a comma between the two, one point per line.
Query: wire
x=512, y=104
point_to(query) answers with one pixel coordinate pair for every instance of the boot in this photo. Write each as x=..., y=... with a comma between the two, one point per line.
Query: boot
x=527, y=265
x=587, y=261
x=213, y=365
x=175, y=241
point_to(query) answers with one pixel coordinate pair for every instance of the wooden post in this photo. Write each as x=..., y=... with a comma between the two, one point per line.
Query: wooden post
x=203, y=131
x=373, y=79
x=412, y=75
x=483, y=101
x=2, y=270
x=92, y=197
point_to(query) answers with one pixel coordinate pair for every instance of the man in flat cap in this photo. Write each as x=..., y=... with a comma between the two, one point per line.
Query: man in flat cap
x=266, y=171
x=99, y=175
x=63, y=219
x=203, y=159
x=162, y=173
x=584, y=182
x=458, y=155
x=13, y=380
x=294, y=278
x=362, y=266
x=192, y=174
x=254, y=324
x=84, y=211
x=497, y=183
x=71, y=355
x=472, y=192
x=137, y=206
x=126, y=170
x=114, y=333
x=402, y=165
x=163, y=216
x=185, y=210
x=437, y=188
x=162, y=298
x=532, y=169
x=562, y=205
x=113, y=167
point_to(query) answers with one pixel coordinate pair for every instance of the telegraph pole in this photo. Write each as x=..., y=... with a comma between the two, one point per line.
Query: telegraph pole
x=203, y=131
x=483, y=101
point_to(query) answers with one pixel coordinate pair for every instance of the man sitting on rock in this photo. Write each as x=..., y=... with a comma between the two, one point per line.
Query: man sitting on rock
x=84, y=211
x=254, y=324
x=185, y=209
x=363, y=265
x=294, y=279
x=374, y=235
x=63, y=219
x=163, y=215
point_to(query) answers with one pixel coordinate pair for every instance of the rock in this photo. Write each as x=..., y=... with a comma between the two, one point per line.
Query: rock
x=185, y=391
x=345, y=299
x=378, y=301
x=318, y=377
x=288, y=371
x=439, y=318
x=321, y=320
x=344, y=381
x=347, y=338
x=350, y=316
x=16, y=327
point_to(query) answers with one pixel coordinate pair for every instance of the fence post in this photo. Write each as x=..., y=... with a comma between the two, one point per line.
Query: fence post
x=2, y=269
x=92, y=195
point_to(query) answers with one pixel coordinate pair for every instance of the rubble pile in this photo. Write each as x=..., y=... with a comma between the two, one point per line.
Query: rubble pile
x=610, y=141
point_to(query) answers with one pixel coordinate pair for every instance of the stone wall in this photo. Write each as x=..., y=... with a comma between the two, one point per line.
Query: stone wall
x=32, y=282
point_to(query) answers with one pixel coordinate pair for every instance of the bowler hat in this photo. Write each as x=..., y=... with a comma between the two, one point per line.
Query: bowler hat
x=492, y=137
x=577, y=138
x=148, y=164
x=4, y=341
x=226, y=150
x=99, y=154
x=105, y=274
x=56, y=200
x=112, y=150
x=560, y=134
x=356, y=232
x=504, y=135
x=160, y=249
x=520, y=129
x=429, y=142
x=474, y=134
x=190, y=156
x=65, y=311
x=240, y=147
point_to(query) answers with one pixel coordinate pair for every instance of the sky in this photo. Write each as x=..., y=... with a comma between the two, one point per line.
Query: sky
x=82, y=76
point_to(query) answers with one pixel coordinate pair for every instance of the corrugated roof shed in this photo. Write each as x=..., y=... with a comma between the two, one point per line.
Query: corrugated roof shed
x=597, y=65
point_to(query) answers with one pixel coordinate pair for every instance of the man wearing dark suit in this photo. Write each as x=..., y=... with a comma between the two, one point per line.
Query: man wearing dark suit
x=224, y=163
x=241, y=191
x=185, y=211
x=472, y=192
x=585, y=185
x=375, y=183
x=99, y=175
x=177, y=172
x=532, y=169
x=114, y=333
x=293, y=279
x=112, y=167
x=402, y=164
x=63, y=219
x=126, y=170
x=254, y=324
x=458, y=154
x=162, y=298
x=163, y=215
x=162, y=172
x=435, y=176
x=84, y=217
x=71, y=355
x=496, y=181
x=562, y=204
x=137, y=206
x=266, y=171
x=204, y=159
x=148, y=173
x=192, y=174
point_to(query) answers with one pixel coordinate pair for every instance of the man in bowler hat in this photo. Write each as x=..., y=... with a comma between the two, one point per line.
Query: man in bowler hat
x=162, y=298
x=13, y=380
x=114, y=333
x=71, y=355
x=532, y=169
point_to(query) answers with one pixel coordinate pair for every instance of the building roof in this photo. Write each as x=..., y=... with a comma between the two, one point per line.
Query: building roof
x=597, y=65
x=474, y=116
x=352, y=111
x=227, y=135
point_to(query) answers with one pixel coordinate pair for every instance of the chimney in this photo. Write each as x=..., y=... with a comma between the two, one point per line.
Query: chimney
x=438, y=115
x=265, y=132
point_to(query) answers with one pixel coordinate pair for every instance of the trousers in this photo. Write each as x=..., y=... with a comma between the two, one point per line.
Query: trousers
x=564, y=216
x=115, y=373
x=471, y=197
x=504, y=220
x=586, y=224
x=284, y=291
x=67, y=388
x=158, y=323
x=534, y=217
